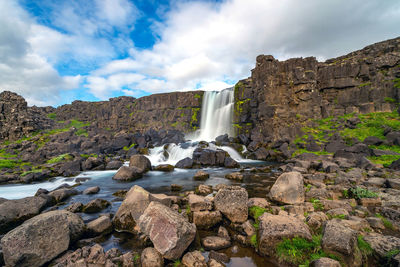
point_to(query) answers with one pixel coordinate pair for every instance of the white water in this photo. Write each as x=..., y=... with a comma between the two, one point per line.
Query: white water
x=171, y=154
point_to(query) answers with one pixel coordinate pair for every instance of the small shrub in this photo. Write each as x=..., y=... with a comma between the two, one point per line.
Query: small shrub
x=318, y=206
x=390, y=100
x=359, y=193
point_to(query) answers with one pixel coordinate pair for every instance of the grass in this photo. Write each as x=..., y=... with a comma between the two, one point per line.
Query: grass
x=52, y=116
x=81, y=132
x=302, y=151
x=177, y=263
x=256, y=212
x=364, y=247
x=384, y=160
x=7, y=163
x=359, y=193
x=300, y=251
x=318, y=206
x=60, y=158
x=32, y=171
x=253, y=241
x=388, y=224
x=337, y=216
x=188, y=210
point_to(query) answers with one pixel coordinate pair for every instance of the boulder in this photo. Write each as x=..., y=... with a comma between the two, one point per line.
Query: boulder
x=96, y=205
x=128, y=174
x=141, y=162
x=275, y=228
x=101, y=225
x=203, y=189
x=14, y=212
x=194, y=259
x=186, y=163
x=258, y=201
x=114, y=165
x=215, y=243
x=201, y=175
x=234, y=176
x=232, y=202
x=341, y=241
x=382, y=244
x=75, y=207
x=170, y=232
x=151, y=258
x=199, y=203
x=42, y=238
x=206, y=219
x=136, y=201
x=176, y=187
x=164, y=168
x=325, y=262
x=63, y=193
x=91, y=190
x=231, y=163
x=316, y=219
x=288, y=188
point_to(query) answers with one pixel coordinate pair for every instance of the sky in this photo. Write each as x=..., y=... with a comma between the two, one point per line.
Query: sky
x=53, y=52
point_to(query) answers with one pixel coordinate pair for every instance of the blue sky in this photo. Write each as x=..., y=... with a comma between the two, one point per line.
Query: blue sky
x=53, y=52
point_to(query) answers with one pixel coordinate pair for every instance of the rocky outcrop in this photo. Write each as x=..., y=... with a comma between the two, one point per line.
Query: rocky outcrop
x=288, y=188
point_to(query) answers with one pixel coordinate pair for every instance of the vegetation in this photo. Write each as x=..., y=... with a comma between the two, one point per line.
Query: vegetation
x=359, y=193
x=364, y=247
x=127, y=148
x=253, y=241
x=52, y=116
x=318, y=206
x=388, y=224
x=60, y=158
x=300, y=251
x=7, y=163
x=256, y=212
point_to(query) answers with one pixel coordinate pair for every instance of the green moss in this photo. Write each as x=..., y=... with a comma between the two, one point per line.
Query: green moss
x=302, y=150
x=52, y=116
x=127, y=148
x=188, y=210
x=388, y=224
x=392, y=253
x=194, y=120
x=174, y=124
x=364, y=247
x=32, y=171
x=390, y=100
x=385, y=160
x=82, y=132
x=256, y=212
x=337, y=216
x=7, y=164
x=197, y=96
x=177, y=263
x=397, y=83
x=60, y=158
x=364, y=84
x=254, y=241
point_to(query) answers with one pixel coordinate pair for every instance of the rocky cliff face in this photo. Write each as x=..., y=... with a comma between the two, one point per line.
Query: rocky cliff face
x=18, y=120
x=281, y=97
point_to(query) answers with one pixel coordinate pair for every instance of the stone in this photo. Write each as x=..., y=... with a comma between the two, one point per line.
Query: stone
x=222, y=232
x=176, y=187
x=194, y=259
x=75, y=207
x=151, y=258
x=275, y=228
x=164, y=168
x=248, y=228
x=170, y=233
x=215, y=243
x=221, y=257
x=186, y=163
x=101, y=225
x=214, y=263
x=259, y=202
x=231, y=163
x=338, y=212
x=382, y=244
x=63, y=193
x=136, y=201
x=341, y=241
x=288, y=188
x=96, y=205
x=234, y=176
x=316, y=219
x=370, y=202
x=201, y=175
x=114, y=165
x=91, y=190
x=375, y=223
x=325, y=262
x=41, y=238
x=199, y=203
x=141, y=162
x=14, y=212
x=206, y=219
x=127, y=174
x=203, y=189
x=232, y=202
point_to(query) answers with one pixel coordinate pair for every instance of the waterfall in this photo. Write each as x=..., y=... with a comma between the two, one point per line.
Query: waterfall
x=216, y=115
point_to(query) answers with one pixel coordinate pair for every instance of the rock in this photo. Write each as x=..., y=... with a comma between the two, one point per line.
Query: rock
x=201, y=175
x=394, y=183
x=215, y=243
x=136, y=201
x=203, y=189
x=41, y=238
x=75, y=207
x=338, y=212
x=151, y=258
x=176, y=187
x=63, y=193
x=194, y=258
x=316, y=219
x=91, y=190
x=288, y=188
x=170, y=233
x=248, y=228
x=325, y=262
x=375, y=223
x=259, y=202
x=14, y=212
x=274, y=228
x=101, y=225
x=341, y=241
x=222, y=232
x=199, y=203
x=234, y=176
x=206, y=219
x=141, y=162
x=186, y=163
x=96, y=205
x=221, y=257
x=231, y=163
x=128, y=174
x=114, y=165
x=382, y=244
x=214, y=263
x=232, y=202
x=164, y=168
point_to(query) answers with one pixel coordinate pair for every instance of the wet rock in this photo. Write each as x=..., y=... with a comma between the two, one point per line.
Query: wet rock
x=248, y=228
x=275, y=228
x=234, y=176
x=170, y=233
x=203, y=189
x=214, y=263
x=215, y=243
x=101, y=225
x=114, y=165
x=14, y=212
x=221, y=257
x=75, y=207
x=186, y=163
x=194, y=258
x=41, y=238
x=199, y=203
x=96, y=205
x=151, y=258
x=164, y=168
x=288, y=188
x=382, y=244
x=231, y=163
x=222, y=232
x=136, y=201
x=91, y=190
x=201, y=175
x=206, y=219
x=128, y=174
x=176, y=187
x=232, y=202
x=342, y=241
x=63, y=193
x=325, y=262
x=141, y=162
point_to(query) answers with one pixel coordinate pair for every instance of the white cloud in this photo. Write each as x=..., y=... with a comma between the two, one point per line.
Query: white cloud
x=203, y=44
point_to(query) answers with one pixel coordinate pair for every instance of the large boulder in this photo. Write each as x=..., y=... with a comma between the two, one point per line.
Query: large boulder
x=206, y=219
x=151, y=258
x=341, y=241
x=232, y=202
x=186, y=163
x=41, y=239
x=288, y=188
x=14, y=212
x=275, y=228
x=136, y=201
x=382, y=244
x=141, y=162
x=126, y=173
x=170, y=232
